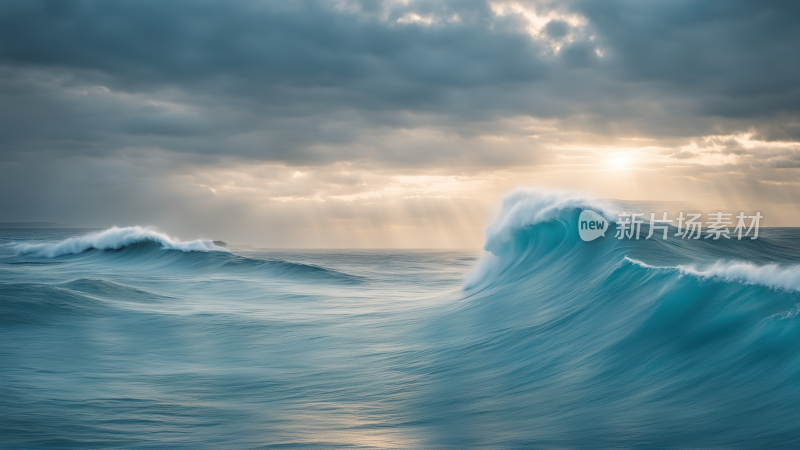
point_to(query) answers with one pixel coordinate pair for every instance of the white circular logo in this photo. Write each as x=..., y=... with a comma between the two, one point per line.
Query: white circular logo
x=591, y=225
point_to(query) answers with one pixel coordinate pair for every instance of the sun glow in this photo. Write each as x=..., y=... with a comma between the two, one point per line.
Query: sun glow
x=620, y=161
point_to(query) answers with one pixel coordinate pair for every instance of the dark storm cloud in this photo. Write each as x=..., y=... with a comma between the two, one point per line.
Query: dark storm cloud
x=307, y=81
x=736, y=55
x=268, y=51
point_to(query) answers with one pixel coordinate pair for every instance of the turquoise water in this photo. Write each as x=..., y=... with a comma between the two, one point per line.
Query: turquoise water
x=546, y=341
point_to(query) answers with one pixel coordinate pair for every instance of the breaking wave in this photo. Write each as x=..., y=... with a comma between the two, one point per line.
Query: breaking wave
x=113, y=239
x=140, y=248
x=578, y=338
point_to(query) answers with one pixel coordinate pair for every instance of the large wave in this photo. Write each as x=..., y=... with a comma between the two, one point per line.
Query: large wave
x=621, y=342
x=113, y=239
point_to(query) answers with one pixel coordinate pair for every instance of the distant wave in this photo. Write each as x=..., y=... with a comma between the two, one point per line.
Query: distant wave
x=143, y=249
x=770, y=275
x=112, y=239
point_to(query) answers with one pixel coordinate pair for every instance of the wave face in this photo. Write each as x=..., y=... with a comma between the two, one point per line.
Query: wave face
x=542, y=340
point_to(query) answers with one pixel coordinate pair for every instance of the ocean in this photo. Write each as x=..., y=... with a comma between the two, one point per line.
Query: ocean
x=127, y=338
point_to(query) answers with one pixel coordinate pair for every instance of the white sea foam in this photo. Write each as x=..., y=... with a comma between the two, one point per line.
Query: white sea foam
x=770, y=275
x=114, y=238
x=645, y=265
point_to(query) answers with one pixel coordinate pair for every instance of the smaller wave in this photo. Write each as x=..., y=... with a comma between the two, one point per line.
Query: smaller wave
x=769, y=275
x=113, y=239
x=107, y=289
x=240, y=264
x=39, y=303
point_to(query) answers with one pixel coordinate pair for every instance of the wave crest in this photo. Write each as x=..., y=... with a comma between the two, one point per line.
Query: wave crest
x=112, y=239
x=525, y=207
x=510, y=236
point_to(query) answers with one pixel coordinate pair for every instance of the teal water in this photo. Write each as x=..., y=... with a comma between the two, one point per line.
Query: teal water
x=545, y=341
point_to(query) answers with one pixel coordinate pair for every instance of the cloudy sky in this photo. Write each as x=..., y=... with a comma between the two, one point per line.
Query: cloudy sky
x=389, y=123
